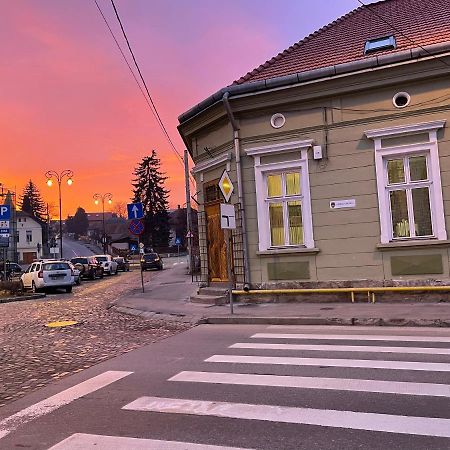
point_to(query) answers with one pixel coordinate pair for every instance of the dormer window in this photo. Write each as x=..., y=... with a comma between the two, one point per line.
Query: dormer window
x=383, y=43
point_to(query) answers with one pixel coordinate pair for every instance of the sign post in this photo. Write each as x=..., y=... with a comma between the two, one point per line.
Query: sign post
x=136, y=227
x=178, y=243
x=227, y=223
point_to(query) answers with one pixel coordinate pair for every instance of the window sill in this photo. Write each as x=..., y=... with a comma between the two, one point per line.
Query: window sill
x=288, y=251
x=413, y=244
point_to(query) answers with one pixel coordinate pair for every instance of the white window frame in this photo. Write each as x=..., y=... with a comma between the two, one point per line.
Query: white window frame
x=430, y=149
x=262, y=200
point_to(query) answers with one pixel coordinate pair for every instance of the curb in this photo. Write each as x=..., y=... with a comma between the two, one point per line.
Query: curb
x=155, y=315
x=354, y=321
x=258, y=320
x=22, y=298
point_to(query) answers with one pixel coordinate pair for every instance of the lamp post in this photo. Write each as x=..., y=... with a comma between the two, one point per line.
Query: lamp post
x=101, y=198
x=59, y=177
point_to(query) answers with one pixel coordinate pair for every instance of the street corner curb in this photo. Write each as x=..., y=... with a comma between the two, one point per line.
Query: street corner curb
x=399, y=322
x=155, y=315
x=354, y=321
x=23, y=298
x=248, y=320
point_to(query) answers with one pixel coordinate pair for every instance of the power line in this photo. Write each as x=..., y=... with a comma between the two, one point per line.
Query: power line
x=401, y=32
x=160, y=122
x=148, y=99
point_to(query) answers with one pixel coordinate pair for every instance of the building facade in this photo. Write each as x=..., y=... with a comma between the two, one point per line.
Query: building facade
x=339, y=152
x=29, y=238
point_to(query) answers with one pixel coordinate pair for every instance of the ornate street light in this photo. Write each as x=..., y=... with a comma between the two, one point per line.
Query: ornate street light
x=102, y=198
x=50, y=175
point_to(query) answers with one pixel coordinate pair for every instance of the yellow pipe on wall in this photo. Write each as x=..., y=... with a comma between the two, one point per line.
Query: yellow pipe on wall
x=337, y=290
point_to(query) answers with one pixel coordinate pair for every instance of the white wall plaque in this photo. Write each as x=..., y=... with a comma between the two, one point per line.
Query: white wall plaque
x=337, y=204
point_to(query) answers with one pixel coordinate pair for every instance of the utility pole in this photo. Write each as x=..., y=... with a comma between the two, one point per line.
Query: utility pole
x=188, y=209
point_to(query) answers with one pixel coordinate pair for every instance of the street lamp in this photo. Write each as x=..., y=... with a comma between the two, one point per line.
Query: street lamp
x=102, y=198
x=59, y=177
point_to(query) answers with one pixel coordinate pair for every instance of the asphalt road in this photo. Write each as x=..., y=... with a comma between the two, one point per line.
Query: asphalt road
x=72, y=248
x=252, y=387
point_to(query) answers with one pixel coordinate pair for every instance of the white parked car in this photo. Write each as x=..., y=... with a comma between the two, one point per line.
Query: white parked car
x=108, y=264
x=76, y=273
x=48, y=274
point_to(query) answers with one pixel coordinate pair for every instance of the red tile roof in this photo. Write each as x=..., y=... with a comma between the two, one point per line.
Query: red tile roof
x=414, y=23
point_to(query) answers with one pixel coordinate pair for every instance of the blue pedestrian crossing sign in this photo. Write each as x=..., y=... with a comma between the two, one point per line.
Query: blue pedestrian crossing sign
x=133, y=247
x=178, y=241
x=5, y=212
x=135, y=211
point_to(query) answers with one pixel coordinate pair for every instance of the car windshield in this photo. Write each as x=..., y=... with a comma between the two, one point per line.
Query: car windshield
x=101, y=258
x=79, y=260
x=151, y=256
x=55, y=266
x=119, y=259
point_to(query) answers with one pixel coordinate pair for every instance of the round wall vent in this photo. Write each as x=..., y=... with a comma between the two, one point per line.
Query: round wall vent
x=401, y=99
x=277, y=120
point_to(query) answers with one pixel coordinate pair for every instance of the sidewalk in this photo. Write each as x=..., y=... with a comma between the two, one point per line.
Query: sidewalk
x=167, y=295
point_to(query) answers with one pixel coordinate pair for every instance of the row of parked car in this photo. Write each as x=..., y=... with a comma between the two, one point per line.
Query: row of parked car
x=60, y=273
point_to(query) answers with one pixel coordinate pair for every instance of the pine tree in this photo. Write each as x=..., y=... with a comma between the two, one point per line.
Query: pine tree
x=78, y=224
x=148, y=188
x=32, y=203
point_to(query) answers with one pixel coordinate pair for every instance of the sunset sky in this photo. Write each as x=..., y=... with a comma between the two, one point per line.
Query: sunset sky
x=68, y=100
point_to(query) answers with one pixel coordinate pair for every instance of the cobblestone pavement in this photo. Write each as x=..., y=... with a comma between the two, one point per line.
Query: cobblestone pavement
x=32, y=355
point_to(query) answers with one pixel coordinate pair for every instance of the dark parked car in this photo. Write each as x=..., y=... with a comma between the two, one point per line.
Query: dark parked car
x=122, y=264
x=88, y=266
x=151, y=261
x=13, y=270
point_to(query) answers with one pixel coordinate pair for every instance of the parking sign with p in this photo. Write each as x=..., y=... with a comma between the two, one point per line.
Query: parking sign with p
x=5, y=212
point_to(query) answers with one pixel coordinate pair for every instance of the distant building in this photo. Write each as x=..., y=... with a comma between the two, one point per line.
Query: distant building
x=29, y=238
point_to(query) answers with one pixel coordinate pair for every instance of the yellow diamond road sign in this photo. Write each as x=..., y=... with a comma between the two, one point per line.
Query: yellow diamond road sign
x=226, y=186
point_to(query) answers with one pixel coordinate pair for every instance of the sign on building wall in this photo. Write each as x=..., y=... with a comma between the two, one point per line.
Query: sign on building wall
x=338, y=204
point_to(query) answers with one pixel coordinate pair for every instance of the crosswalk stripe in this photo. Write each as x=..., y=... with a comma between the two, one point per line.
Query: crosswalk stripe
x=337, y=384
x=398, y=331
x=357, y=363
x=423, y=426
x=344, y=348
x=352, y=337
x=56, y=401
x=82, y=441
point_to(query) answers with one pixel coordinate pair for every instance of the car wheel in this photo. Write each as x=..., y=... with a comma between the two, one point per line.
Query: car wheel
x=68, y=289
x=92, y=275
x=22, y=286
x=78, y=282
x=102, y=274
x=33, y=288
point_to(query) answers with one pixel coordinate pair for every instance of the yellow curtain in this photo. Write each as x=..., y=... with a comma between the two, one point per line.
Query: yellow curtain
x=276, y=224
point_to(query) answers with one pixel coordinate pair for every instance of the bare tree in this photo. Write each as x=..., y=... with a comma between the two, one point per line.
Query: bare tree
x=120, y=209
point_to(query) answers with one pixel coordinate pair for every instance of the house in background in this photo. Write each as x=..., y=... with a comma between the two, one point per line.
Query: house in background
x=339, y=152
x=29, y=238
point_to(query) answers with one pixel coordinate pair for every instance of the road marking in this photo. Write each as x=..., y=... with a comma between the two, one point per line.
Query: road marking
x=336, y=384
x=344, y=348
x=358, y=363
x=352, y=337
x=423, y=426
x=374, y=330
x=54, y=402
x=81, y=441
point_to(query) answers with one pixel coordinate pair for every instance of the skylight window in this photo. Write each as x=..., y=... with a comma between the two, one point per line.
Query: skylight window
x=383, y=43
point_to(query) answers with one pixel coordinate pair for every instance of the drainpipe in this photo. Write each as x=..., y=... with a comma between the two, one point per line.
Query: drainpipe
x=237, y=150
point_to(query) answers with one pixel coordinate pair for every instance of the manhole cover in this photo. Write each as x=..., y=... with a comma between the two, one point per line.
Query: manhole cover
x=61, y=323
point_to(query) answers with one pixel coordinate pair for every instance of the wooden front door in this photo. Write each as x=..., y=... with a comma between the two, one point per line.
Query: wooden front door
x=217, y=255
